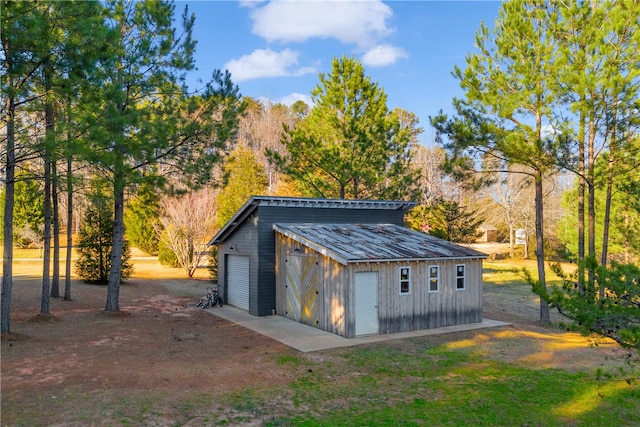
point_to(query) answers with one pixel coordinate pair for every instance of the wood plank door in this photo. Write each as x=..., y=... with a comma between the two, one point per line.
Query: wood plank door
x=302, y=289
x=366, y=303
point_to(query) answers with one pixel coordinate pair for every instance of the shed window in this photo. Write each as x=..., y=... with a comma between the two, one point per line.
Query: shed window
x=434, y=278
x=460, y=277
x=405, y=280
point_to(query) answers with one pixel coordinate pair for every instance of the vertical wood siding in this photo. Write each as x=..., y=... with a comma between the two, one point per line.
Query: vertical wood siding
x=420, y=309
x=331, y=309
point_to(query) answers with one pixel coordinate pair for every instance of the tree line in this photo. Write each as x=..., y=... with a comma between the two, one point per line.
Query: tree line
x=554, y=87
x=94, y=96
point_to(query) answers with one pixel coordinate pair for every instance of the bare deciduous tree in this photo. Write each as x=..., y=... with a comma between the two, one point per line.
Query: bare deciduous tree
x=261, y=127
x=189, y=223
x=513, y=195
x=432, y=177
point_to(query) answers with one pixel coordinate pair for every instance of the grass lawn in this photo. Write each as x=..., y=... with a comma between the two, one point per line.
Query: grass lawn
x=452, y=386
x=522, y=375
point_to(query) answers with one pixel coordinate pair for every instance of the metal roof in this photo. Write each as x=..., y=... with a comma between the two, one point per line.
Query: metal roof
x=487, y=227
x=351, y=243
x=252, y=204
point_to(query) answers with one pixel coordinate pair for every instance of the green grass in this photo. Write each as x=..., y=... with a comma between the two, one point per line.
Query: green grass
x=385, y=386
x=501, y=274
x=381, y=385
x=509, y=273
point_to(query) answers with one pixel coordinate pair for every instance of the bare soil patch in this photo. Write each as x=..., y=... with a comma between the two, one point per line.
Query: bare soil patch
x=82, y=366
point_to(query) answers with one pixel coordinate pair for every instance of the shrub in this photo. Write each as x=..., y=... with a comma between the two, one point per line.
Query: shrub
x=166, y=255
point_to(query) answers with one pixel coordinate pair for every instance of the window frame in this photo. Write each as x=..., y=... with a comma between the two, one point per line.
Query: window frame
x=407, y=280
x=430, y=278
x=459, y=277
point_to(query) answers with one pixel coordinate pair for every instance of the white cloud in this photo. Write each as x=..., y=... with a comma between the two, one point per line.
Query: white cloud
x=382, y=55
x=266, y=63
x=287, y=100
x=549, y=131
x=292, y=98
x=362, y=23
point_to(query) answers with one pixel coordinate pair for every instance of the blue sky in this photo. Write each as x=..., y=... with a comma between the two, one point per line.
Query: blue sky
x=276, y=49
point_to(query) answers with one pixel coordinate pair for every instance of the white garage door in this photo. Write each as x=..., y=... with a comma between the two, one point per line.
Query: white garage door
x=238, y=281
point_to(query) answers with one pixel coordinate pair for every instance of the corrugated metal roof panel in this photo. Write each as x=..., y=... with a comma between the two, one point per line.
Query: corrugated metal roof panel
x=373, y=242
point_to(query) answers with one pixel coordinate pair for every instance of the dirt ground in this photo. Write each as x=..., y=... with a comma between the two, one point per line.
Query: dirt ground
x=160, y=345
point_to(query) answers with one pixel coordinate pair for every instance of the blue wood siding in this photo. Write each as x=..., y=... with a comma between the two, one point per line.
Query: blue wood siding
x=243, y=242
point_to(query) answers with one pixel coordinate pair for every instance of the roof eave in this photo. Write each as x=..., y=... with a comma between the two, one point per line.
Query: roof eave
x=245, y=211
x=344, y=261
x=399, y=260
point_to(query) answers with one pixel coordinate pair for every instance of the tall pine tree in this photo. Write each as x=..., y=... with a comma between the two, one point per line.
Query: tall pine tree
x=144, y=115
x=508, y=104
x=350, y=145
x=243, y=177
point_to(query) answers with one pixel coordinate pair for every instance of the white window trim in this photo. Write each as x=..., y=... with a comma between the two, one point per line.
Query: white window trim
x=429, y=278
x=464, y=277
x=407, y=280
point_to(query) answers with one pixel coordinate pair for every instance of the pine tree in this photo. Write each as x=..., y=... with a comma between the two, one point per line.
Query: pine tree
x=144, y=114
x=350, y=145
x=508, y=104
x=446, y=219
x=28, y=216
x=95, y=243
x=243, y=178
x=141, y=220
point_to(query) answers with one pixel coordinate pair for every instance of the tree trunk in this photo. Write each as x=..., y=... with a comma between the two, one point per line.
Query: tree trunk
x=511, y=246
x=55, y=279
x=591, y=185
x=113, y=289
x=581, y=188
x=67, y=269
x=607, y=210
x=46, y=277
x=48, y=149
x=607, y=215
x=7, y=258
x=544, y=307
x=627, y=242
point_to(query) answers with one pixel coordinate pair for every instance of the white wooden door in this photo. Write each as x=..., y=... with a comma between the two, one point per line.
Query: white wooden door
x=238, y=281
x=366, y=284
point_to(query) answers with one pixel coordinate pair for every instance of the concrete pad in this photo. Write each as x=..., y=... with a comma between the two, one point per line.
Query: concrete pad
x=306, y=338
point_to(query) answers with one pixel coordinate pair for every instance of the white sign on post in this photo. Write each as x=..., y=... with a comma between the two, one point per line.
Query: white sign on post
x=521, y=236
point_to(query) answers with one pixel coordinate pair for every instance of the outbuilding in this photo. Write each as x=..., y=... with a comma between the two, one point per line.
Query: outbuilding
x=487, y=233
x=246, y=243
x=360, y=279
x=349, y=267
